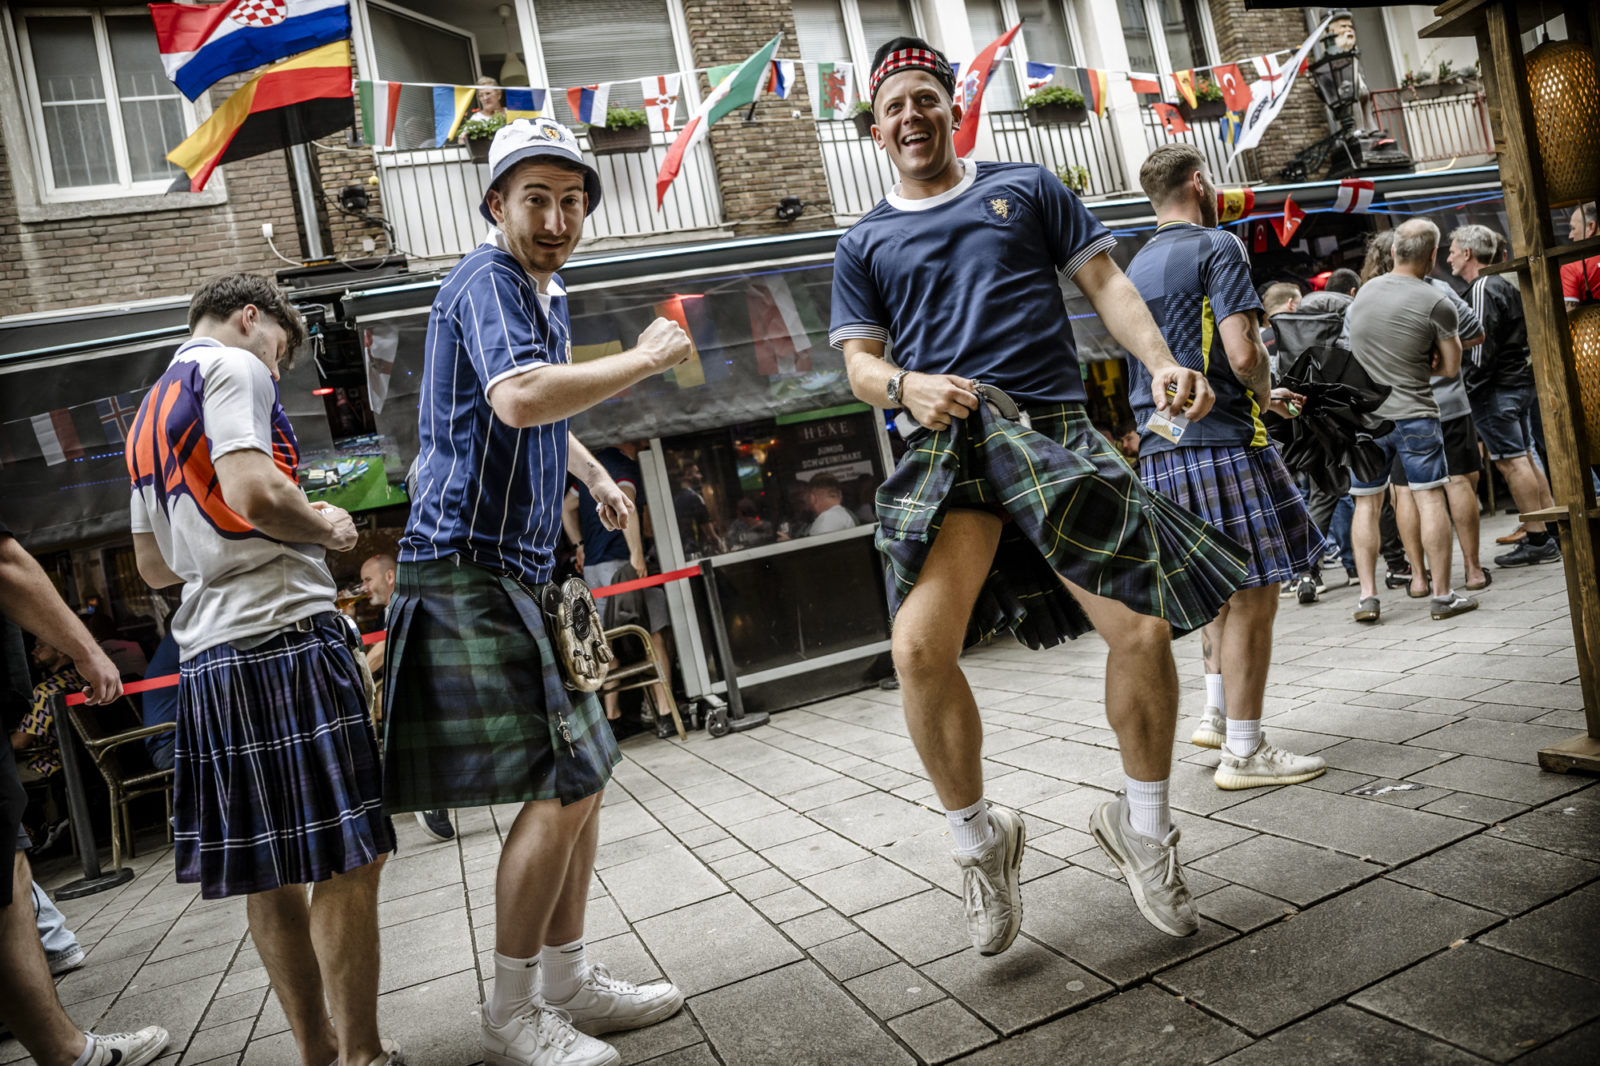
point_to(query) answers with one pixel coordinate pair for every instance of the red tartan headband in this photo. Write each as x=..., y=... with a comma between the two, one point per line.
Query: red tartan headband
x=913, y=59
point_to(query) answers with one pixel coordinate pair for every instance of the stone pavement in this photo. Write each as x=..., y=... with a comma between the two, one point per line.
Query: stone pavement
x=1432, y=899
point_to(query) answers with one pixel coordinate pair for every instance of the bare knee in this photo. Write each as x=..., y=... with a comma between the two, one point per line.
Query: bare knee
x=1140, y=634
x=920, y=654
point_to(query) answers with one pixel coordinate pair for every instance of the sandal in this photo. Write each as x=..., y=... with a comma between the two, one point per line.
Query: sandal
x=1488, y=579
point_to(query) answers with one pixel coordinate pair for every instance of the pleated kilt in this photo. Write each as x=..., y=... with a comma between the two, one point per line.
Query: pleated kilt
x=275, y=765
x=1248, y=494
x=475, y=710
x=1074, y=508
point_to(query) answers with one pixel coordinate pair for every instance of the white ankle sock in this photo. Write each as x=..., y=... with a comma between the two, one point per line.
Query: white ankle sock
x=563, y=967
x=515, y=981
x=1147, y=807
x=88, y=1050
x=1214, y=694
x=970, y=828
x=1243, y=736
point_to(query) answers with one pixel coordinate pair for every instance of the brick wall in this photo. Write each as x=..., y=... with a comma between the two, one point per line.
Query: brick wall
x=760, y=162
x=1303, y=120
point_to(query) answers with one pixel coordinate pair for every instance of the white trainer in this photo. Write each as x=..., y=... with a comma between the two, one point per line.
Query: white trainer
x=991, y=890
x=1212, y=731
x=127, y=1049
x=1149, y=866
x=604, y=1004
x=541, y=1036
x=1267, y=765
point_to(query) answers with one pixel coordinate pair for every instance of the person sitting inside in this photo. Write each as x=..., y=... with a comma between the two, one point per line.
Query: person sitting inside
x=827, y=503
x=749, y=529
x=33, y=741
x=491, y=102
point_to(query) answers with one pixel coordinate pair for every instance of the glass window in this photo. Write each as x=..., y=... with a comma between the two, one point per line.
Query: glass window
x=152, y=108
x=1186, y=41
x=1044, y=31
x=1136, y=31
x=635, y=41
x=987, y=21
x=884, y=20
x=410, y=46
x=819, y=26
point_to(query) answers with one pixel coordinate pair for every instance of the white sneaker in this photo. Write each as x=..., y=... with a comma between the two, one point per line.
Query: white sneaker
x=127, y=1049
x=1149, y=866
x=991, y=890
x=540, y=1036
x=1267, y=765
x=606, y=1005
x=1212, y=730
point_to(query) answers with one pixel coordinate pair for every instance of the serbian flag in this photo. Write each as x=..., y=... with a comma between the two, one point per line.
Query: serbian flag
x=1355, y=196
x=1039, y=75
x=1093, y=84
x=380, y=102
x=1235, y=93
x=1184, y=80
x=201, y=44
x=969, y=91
x=1170, y=118
x=781, y=79
x=588, y=103
x=1144, y=83
x=660, y=101
x=1234, y=204
x=291, y=102
x=525, y=103
x=738, y=87
x=1292, y=217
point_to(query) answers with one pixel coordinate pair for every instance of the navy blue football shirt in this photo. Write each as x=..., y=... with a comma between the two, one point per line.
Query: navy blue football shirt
x=967, y=282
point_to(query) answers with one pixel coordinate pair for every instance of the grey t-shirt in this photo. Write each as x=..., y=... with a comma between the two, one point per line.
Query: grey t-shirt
x=1395, y=323
x=1451, y=393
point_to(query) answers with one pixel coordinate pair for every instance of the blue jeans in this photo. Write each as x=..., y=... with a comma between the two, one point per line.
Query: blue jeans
x=1339, y=530
x=1419, y=444
x=1504, y=418
x=58, y=940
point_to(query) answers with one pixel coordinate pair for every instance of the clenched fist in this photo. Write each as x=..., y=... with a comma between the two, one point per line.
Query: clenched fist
x=666, y=344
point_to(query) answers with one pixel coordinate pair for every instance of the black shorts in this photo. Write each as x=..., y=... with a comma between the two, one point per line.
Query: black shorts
x=1461, y=457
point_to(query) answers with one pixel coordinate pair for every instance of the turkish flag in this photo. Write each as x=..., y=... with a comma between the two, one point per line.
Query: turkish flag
x=1258, y=241
x=1235, y=93
x=1292, y=217
x=1170, y=118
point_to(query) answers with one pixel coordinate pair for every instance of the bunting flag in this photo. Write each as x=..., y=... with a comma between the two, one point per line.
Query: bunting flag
x=969, y=90
x=782, y=78
x=1234, y=204
x=660, y=101
x=739, y=87
x=690, y=373
x=450, y=104
x=200, y=44
x=1184, y=79
x=1039, y=75
x=588, y=103
x=1144, y=83
x=116, y=415
x=1270, y=94
x=1293, y=215
x=1228, y=127
x=1093, y=85
x=1355, y=196
x=68, y=433
x=830, y=89
x=1258, y=242
x=380, y=101
x=1267, y=68
x=378, y=346
x=525, y=103
x=1170, y=118
x=780, y=338
x=1235, y=93
x=291, y=102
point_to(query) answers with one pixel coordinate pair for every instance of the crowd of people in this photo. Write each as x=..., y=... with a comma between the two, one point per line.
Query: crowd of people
x=1007, y=513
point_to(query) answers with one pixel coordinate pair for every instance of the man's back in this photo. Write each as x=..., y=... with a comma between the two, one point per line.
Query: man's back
x=1396, y=322
x=1502, y=360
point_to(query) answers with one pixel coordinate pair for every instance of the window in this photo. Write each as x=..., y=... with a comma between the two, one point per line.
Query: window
x=1045, y=38
x=104, y=113
x=409, y=45
x=636, y=41
x=819, y=25
x=1184, y=40
x=850, y=31
x=884, y=20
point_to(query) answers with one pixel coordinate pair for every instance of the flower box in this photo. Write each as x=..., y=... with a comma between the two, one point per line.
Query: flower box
x=1202, y=110
x=863, y=121
x=1057, y=114
x=606, y=141
x=479, y=147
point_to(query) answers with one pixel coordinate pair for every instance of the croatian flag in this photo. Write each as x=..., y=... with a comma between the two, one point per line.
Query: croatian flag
x=1355, y=196
x=588, y=103
x=1039, y=75
x=201, y=44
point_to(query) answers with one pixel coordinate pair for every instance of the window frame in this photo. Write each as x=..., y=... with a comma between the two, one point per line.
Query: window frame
x=1017, y=57
x=1158, y=36
x=33, y=110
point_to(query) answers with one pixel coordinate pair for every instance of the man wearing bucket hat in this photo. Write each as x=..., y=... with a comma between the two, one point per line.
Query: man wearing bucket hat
x=477, y=711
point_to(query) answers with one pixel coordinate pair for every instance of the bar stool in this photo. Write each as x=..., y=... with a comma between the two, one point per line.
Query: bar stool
x=644, y=674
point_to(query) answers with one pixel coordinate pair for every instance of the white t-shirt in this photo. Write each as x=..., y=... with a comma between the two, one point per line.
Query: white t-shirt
x=237, y=581
x=832, y=520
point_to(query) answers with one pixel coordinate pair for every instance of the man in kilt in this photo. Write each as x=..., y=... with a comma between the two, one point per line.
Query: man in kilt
x=476, y=709
x=1195, y=279
x=276, y=781
x=1023, y=519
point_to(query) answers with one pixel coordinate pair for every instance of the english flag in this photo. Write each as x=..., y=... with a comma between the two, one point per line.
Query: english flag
x=970, y=89
x=660, y=101
x=1355, y=196
x=1293, y=215
x=1039, y=75
x=1235, y=93
x=782, y=78
x=739, y=87
x=589, y=102
x=1170, y=118
x=200, y=44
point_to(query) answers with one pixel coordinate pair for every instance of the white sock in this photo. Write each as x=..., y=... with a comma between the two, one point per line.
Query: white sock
x=563, y=967
x=1147, y=807
x=514, y=983
x=1243, y=736
x=88, y=1050
x=1214, y=694
x=970, y=828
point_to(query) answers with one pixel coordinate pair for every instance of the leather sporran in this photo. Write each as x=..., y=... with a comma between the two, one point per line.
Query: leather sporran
x=579, y=641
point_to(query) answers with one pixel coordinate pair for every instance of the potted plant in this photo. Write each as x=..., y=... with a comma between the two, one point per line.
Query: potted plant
x=1055, y=105
x=479, y=131
x=1208, y=101
x=1419, y=84
x=1472, y=77
x=861, y=115
x=1074, y=177
x=626, y=130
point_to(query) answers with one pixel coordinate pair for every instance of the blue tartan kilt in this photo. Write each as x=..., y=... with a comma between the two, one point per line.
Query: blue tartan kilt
x=1248, y=494
x=276, y=777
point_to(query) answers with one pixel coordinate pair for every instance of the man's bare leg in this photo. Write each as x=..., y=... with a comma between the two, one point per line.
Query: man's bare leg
x=280, y=926
x=1462, y=495
x=566, y=918
x=1364, y=541
x=1435, y=521
x=533, y=872
x=1409, y=522
x=33, y=1012
x=1530, y=489
x=1247, y=650
x=664, y=665
x=344, y=931
x=1210, y=732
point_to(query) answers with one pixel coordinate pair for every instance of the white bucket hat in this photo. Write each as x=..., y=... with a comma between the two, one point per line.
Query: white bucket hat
x=525, y=138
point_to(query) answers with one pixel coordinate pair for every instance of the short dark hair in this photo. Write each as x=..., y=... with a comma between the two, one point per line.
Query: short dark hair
x=1167, y=168
x=1343, y=280
x=826, y=482
x=220, y=297
x=896, y=44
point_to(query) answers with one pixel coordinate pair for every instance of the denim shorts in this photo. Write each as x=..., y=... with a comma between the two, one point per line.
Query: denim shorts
x=1419, y=444
x=1504, y=418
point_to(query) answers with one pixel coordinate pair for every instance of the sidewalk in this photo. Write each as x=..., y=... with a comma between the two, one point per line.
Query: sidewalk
x=1431, y=899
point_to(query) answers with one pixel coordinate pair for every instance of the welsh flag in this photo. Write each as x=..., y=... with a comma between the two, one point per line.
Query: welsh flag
x=736, y=86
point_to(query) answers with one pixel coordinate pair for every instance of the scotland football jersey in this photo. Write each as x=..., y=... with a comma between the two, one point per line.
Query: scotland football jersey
x=1192, y=278
x=967, y=282
x=487, y=491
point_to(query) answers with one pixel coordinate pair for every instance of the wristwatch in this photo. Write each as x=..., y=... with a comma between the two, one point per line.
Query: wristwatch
x=893, y=388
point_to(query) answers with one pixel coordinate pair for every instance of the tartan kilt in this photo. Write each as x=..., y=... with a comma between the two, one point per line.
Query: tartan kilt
x=474, y=700
x=1248, y=494
x=1073, y=507
x=275, y=767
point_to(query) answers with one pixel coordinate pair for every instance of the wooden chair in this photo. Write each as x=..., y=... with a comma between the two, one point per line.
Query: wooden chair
x=643, y=674
x=114, y=737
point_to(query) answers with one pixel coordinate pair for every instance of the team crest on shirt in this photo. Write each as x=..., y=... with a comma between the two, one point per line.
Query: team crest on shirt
x=1001, y=207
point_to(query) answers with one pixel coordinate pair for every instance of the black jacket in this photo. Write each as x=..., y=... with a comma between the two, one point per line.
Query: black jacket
x=1501, y=361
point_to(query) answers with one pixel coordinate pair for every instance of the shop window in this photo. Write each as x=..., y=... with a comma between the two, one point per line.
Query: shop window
x=103, y=111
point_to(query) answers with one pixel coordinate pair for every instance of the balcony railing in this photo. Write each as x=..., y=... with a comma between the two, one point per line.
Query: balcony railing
x=1450, y=126
x=431, y=196
x=1203, y=134
x=859, y=173
x=1091, y=144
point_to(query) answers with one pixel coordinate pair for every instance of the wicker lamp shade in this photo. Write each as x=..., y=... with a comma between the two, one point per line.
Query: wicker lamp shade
x=1564, y=88
x=1585, y=322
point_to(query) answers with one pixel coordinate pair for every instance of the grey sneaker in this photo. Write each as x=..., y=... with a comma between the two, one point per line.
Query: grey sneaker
x=1212, y=730
x=1149, y=866
x=1368, y=610
x=990, y=888
x=1451, y=606
x=1267, y=765
x=127, y=1049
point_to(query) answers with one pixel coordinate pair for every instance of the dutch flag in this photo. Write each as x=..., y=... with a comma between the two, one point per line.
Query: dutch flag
x=201, y=44
x=589, y=102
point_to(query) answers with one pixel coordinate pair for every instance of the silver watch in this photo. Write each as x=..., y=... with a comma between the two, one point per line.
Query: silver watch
x=893, y=388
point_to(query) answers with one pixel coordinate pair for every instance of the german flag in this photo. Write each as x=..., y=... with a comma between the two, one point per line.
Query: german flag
x=1093, y=84
x=304, y=97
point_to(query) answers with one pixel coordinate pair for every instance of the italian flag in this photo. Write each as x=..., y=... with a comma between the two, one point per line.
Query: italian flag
x=736, y=86
x=380, y=100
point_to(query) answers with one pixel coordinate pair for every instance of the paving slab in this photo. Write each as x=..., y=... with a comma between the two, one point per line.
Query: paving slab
x=920, y=928
x=1018, y=988
x=818, y=927
x=678, y=1032
x=1574, y=1049
x=852, y=955
x=1344, y=1036
x=1483, y=809
x=1243, y=909
x=774, y=829
x=1287, y=869
x=1365, y=723
x=692, y=944
x=666, y=879
x=1377, y=758
x=863, y=885
x=1349, y=824
x=1496, y=874
x=814, y=854
x=942, y=1031
x=1570, y=824
x=1557, y=934
x=894, y=990
x=876, y=819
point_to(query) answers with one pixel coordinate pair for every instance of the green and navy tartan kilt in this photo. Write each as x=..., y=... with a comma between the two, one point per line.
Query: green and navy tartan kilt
x=275, y=768
x=1074, y=508
x=1248, y=494
x=473, y=697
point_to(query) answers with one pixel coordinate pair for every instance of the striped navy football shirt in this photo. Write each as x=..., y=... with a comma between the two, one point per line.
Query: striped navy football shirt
x=484, y=490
